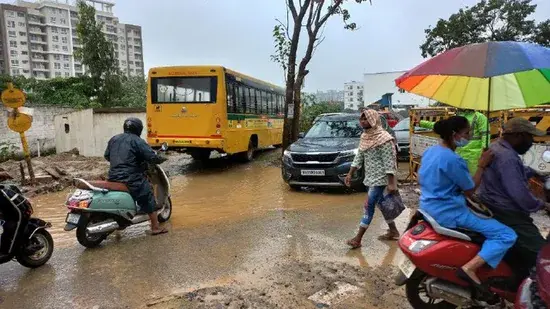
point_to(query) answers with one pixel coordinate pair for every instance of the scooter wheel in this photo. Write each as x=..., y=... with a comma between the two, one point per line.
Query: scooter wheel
x=84, y=238
x=418, y=298
x=166, y=213
x=43, y=255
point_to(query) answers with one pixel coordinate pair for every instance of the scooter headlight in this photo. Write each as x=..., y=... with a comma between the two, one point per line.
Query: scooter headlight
x=421, y=245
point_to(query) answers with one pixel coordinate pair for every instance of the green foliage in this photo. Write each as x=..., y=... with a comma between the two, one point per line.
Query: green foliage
x=489, y=20
x=134, y=92
x=78, y=92
x=6, y=151
x=98, y=55
x=310, y=112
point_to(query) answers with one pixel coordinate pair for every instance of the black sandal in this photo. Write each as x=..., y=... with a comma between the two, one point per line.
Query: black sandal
x=480, y=291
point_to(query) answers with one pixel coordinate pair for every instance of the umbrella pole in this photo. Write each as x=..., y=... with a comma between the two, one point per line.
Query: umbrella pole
x=488, y=140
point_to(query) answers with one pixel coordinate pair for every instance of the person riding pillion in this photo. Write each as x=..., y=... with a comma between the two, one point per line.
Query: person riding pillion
x=479, y=137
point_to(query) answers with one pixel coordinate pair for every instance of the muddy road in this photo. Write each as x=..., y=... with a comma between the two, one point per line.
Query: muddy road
x=239, y=238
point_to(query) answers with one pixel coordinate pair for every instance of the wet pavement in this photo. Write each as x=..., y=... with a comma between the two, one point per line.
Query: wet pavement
x=230, y=223
x=227, y=219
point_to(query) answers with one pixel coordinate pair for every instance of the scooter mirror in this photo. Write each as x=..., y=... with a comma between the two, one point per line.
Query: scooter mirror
x=546, y=156
x=164, y=147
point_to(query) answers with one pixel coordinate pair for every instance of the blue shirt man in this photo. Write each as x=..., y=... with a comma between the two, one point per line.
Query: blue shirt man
x=505, y=189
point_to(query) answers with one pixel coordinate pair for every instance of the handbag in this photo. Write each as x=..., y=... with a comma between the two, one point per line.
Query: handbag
x=391, y=206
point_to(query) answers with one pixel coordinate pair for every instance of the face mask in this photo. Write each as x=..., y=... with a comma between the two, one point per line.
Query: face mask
x=461, y=142
x=523, y=148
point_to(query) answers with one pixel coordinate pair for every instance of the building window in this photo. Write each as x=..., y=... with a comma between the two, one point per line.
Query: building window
x=13, y=53
x=15, y=72
x=25, y=62
x=55, y=38
x=15, y=63
x=66, y=58
x=56, y=47
x=65, y=48
x=57, y=74
x=66, y=66
x=57, y=57
x=12, y=34
x=64, y=40
x=64, y=31
x=67, y=74
x=11, y=24
x=57, y=66
x=13, y=44
x=22, y=33
x=54, y=30
x=24, y=52
x=11, y=13
x=23, y=42
x=21, y=24
x=52, y=20
x=20, y=14
x=63, y=21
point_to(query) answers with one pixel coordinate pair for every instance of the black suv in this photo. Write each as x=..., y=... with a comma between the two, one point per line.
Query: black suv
x=322, y=157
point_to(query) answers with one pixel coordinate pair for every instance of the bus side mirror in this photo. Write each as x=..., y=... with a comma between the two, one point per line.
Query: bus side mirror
x=301, y=135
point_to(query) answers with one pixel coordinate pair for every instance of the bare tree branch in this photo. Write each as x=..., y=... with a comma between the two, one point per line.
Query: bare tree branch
x=292, y=7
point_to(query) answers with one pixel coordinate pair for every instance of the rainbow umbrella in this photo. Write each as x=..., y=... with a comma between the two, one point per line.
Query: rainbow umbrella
x=488, y=76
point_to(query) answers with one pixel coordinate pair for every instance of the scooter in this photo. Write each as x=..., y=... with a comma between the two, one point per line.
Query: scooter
x=22, y=237
x=433, y=254
x=534, y=292
x=98, y=208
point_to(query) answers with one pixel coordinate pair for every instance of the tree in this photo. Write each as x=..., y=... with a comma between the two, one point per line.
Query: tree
x=309, y=17
x=310, y=112
x=134, y=91
x=489, y=20
x=98, y=56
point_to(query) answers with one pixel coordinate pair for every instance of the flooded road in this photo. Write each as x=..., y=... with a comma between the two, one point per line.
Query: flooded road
x=230, y=222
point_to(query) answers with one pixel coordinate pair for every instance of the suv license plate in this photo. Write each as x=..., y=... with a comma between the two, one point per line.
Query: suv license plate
x=72, y=218
x=313, y=172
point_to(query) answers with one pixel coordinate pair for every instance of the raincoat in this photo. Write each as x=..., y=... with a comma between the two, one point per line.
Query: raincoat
x=479, y=138
x=129, y=155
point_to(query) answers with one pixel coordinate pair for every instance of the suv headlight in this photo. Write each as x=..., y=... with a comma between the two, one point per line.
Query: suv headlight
x=286, y=154
x=349, y=153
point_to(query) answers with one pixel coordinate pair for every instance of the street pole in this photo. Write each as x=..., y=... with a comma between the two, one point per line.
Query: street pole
x=27, y=155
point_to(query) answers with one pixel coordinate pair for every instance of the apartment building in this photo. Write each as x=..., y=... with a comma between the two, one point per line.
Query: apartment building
x=38, y=39
x=353, y=95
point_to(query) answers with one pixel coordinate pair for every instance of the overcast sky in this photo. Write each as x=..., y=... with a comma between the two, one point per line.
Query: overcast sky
x=238, y=34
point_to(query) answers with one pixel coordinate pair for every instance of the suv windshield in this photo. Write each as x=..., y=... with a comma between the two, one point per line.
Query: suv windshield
x=335, y=129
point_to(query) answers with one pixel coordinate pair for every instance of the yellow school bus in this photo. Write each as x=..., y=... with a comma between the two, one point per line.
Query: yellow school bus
x=199, y=109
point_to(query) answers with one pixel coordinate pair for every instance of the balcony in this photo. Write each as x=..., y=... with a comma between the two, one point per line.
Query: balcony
x=39, y=49
x=33, y=21
x=37, y=31
x=40, y=59
x=36, y=41
x=41, y=69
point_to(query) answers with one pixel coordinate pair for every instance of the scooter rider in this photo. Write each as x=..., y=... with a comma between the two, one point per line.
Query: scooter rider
x=505, y=189
x=129, y=154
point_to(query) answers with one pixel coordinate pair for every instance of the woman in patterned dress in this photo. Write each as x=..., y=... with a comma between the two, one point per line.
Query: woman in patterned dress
x=377, y=157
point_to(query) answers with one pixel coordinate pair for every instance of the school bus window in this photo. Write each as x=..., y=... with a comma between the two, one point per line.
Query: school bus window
x=265, y=103
x=231, y=104
x=253, y=101
x=183, y=90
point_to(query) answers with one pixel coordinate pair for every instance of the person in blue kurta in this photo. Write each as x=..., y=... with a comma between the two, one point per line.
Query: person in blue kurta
x=445, y=181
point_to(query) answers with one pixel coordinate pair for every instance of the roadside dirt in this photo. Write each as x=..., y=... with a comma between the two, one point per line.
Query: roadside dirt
x=296, y=285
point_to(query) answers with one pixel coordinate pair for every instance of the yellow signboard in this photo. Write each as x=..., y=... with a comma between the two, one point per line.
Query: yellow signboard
x=13, y=97
x=20, y=122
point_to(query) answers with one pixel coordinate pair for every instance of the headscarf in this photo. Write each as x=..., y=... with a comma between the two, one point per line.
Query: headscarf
x=376, y=135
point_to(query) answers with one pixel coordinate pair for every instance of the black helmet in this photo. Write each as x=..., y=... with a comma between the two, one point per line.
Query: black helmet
x=133, y=125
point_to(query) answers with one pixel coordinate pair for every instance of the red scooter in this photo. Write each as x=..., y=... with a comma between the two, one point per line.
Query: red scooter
x=433, y=254
x=534, y=293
